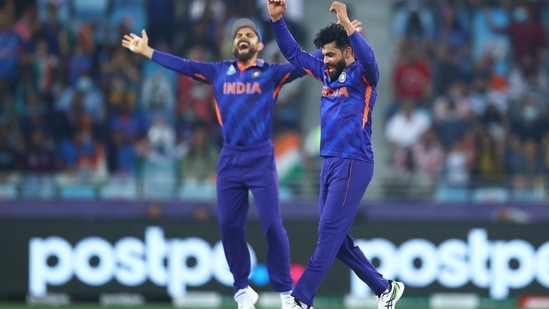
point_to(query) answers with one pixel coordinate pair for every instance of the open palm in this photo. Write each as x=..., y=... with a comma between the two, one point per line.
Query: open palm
x=135, y=43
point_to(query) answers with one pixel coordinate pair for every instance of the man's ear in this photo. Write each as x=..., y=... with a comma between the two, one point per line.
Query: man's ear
x=260, y=46
x=348, y=52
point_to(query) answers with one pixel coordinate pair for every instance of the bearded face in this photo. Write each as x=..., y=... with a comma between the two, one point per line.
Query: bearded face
x=334, y=60
x=244, y=50
x=246, y=44
x=335, y=69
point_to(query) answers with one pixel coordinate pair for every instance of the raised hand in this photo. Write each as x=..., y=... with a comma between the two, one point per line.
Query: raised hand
x=340, y=9
x=357, y=24
x=137, y=44
x=276, y=8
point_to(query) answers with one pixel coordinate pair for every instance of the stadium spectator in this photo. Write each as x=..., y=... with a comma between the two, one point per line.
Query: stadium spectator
x=428, y=154
x=489, y=163
x=75, y=117
x=34, y=115
x=123, y=154
x=198, y=165
x=27, y=22
x=38, y=157
x=456, y=172
x=405, y=128
x=412, y=76
x=160, y=20
x=44, y=65
x=11, y=47
x=420, y=164
x=53, y=27
x=529, y=169
x=158, y=91
x=450, y=66
x=486, y=42
x=119, y=78
x=195, y=99
x=479, y=92
x=85, y=159
x=207, y=24
x=527, y=78
x=451, y=45
x=495, y=124
x=525, y=31
x=452, y=114
x=9, y=154
x=92, y=98
x=91, y=20
x=128, y=120
x=413, y=22
x=528, y=119
x=130, y=15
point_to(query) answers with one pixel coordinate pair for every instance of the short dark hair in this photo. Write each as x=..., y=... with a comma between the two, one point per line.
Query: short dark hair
x=333, y=33
x=245, y=22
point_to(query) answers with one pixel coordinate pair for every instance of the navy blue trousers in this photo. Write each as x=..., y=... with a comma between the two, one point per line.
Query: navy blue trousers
x=251, y=168
x=343, y=183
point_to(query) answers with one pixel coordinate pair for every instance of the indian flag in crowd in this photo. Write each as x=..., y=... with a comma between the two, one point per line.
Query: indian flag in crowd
x=288, y=157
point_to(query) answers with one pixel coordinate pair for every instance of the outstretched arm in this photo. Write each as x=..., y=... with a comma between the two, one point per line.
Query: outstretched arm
x=140, y=45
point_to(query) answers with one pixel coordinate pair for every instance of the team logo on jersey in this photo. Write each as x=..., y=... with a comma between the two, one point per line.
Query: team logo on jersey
x=256, y=74
x=241, y=88
x=342, y=77
x=335, y=92
x=231, y=70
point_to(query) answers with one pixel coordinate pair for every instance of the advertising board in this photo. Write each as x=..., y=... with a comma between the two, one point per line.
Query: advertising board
x=166, y=258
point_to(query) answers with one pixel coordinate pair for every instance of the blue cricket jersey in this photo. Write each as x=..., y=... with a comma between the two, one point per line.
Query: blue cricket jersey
x=244, y=98
x=347, y=103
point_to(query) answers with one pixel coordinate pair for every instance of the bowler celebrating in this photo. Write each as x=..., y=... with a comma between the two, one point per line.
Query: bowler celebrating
x=350, y=74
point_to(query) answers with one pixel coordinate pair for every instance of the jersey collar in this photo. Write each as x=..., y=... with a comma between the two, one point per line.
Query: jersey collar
x=258, y=63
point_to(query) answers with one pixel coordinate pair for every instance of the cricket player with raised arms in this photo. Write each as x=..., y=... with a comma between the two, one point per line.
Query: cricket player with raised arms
x=245, y=91
x=349, y=73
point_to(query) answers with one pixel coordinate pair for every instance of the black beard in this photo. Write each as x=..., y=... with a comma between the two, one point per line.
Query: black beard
x=339, y=67
x=244, y=57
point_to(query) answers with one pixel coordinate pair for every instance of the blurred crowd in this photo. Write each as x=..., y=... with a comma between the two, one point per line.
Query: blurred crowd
x=80, y=116
x=470, y=112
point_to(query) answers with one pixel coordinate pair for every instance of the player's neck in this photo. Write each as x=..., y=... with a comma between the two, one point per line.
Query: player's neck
x=248, y=63
x=349, y=62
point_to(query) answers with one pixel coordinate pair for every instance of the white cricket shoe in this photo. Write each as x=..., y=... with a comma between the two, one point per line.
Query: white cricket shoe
x=287, y=300
x=246, y=298
x=293, y=303
x=388, y=299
